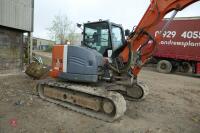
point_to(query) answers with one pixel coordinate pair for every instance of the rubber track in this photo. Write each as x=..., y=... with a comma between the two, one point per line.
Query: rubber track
x=116, y=98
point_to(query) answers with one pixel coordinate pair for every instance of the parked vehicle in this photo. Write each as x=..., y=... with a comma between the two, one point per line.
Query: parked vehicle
x=179, y=47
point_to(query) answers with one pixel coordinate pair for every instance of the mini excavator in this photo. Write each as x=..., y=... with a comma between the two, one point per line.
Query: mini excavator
x=96, y=78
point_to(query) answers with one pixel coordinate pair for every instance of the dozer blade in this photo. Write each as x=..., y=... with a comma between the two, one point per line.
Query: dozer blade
x=137, y=91
x=132, y=92
x=89, y=100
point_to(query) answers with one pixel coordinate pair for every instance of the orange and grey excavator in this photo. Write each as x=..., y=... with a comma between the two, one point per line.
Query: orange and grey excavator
x=95, y=79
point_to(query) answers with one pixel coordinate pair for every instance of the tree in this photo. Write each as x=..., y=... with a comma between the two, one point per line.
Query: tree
x=61, y=29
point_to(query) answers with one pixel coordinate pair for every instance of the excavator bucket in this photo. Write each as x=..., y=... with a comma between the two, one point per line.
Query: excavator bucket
x=37, y=70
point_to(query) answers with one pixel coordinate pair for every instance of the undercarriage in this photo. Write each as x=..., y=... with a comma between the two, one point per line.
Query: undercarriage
x=103, y=101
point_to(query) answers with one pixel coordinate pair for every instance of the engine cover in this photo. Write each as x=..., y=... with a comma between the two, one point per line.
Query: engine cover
x=80, y=64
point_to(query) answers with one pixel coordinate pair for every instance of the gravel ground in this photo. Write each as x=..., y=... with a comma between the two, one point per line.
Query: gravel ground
x=173, y=106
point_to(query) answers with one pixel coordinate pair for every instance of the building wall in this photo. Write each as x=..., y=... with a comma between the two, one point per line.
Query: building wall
x=17, y=14
x=39, y=43
x=43, y=44
x=76, y=39
x=11, y=51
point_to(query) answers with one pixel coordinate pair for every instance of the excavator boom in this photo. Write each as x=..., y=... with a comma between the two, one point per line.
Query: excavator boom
x=141, y=42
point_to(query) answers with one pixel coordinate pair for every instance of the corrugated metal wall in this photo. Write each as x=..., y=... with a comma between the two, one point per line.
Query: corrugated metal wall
x=11, y=51
x=17, y=14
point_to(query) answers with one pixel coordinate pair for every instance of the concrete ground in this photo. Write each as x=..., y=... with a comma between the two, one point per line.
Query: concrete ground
x=173, y=106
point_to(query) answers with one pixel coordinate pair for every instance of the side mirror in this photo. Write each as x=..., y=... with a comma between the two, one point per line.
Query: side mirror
x=79, y=25
x=127, y=32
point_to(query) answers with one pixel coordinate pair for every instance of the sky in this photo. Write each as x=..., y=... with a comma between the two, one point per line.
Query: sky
x=125, y=12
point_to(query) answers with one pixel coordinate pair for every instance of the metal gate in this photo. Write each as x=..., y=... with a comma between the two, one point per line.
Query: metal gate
x=11, y=51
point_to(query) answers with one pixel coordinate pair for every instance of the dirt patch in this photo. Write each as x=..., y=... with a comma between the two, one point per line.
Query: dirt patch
x=171, y=107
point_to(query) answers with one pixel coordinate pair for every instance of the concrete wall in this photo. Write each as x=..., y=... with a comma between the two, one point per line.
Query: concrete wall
x=17, y=14
x=11, y=50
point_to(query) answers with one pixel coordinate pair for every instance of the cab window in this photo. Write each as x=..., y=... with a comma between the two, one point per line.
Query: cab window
x=96, y=36
x=116, y=37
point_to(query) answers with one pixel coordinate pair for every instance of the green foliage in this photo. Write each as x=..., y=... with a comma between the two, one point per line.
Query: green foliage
x=49, y=49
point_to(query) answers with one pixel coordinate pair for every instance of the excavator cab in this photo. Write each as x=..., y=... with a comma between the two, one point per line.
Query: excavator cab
x=103, y=36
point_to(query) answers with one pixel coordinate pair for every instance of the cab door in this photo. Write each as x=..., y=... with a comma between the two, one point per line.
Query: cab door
x=117, y=37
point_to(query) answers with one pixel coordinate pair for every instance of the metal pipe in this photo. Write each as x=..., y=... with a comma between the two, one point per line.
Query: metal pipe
x=169, y=21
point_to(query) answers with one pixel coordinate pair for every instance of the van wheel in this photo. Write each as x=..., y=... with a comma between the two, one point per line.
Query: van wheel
x=164, y=66
x=185, y=67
